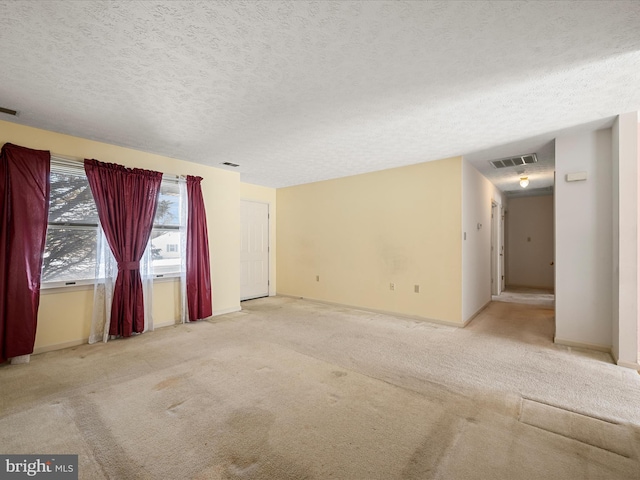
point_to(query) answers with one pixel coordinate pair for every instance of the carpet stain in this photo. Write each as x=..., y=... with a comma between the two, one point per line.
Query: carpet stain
x=428, y=456
x=168, y=383
x=246, y=454
x=338, y=374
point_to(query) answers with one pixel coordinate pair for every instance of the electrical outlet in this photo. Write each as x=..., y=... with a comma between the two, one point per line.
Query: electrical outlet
x=317, y=278
x=392, y=286
x=416, y=288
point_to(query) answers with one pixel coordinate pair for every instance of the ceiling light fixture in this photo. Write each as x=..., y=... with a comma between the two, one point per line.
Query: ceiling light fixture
x=524, y=182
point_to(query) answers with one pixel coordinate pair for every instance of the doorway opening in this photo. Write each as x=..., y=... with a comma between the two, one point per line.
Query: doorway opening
x=530, y=252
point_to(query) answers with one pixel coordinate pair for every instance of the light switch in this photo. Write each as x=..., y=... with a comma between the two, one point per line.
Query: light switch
x=576, y=177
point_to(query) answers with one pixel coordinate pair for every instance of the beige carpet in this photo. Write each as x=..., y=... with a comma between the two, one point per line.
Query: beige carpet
x=290, y=389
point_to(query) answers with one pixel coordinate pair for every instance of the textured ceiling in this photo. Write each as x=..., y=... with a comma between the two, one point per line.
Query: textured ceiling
x=301, y=91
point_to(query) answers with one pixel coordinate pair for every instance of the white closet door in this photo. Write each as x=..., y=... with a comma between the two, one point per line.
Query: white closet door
x=254, y=250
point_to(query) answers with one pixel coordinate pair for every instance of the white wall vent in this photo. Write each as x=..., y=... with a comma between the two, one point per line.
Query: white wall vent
x=515, y=161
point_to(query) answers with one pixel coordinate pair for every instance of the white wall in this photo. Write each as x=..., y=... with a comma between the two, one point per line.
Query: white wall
x=530, y=233
x=583, y=226
x=625, y=240
x=477, y=195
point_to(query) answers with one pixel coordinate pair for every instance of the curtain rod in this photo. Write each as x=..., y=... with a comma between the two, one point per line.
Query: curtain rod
x=74, y=161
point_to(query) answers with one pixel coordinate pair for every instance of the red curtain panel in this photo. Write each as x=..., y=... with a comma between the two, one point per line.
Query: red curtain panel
x=198, y=268
x=24, y=211
x=126, y=200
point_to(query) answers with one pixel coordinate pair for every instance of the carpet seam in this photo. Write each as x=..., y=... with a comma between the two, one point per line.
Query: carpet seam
x=576, y=440
x=575, y=412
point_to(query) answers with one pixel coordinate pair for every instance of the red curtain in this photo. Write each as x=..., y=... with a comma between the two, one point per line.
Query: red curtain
x=24, y=211
x=198, y=268
x=126, y=200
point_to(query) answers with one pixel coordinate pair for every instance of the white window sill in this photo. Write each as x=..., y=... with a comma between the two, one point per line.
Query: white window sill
x=79, y=285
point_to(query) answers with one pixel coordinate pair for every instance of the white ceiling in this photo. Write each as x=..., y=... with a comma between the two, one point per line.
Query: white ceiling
x=300, y=91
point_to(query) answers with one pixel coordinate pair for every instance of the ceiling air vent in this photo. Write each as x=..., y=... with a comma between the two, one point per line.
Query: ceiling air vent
x=229, y=164
x=515, y=161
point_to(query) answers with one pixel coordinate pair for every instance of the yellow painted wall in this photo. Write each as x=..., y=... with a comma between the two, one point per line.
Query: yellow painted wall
x=261, y=194
x=65, y=316
x=361, y=233
x=167, y=307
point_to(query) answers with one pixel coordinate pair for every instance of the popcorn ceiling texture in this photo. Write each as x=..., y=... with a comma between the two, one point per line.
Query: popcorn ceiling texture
x=301, y=91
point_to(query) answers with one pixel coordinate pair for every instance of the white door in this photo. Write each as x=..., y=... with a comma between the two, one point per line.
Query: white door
x=495, y=288
x=254, y=250
x=502, y=252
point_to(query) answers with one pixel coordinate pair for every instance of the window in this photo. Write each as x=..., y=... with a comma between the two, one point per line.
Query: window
x=70, y=250
x=168, y=229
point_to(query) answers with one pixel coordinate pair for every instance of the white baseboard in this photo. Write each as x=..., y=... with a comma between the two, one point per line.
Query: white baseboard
x=478, y=312
x=624, y=363
x=226, y=310
x=374, y=310
x=167, y=324
x=589, y=346
x=632, y=366
x=60, y=346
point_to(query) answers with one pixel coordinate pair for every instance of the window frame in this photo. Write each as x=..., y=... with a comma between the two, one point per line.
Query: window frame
x=83, y=284
x=175, y=179
x=62, y=164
